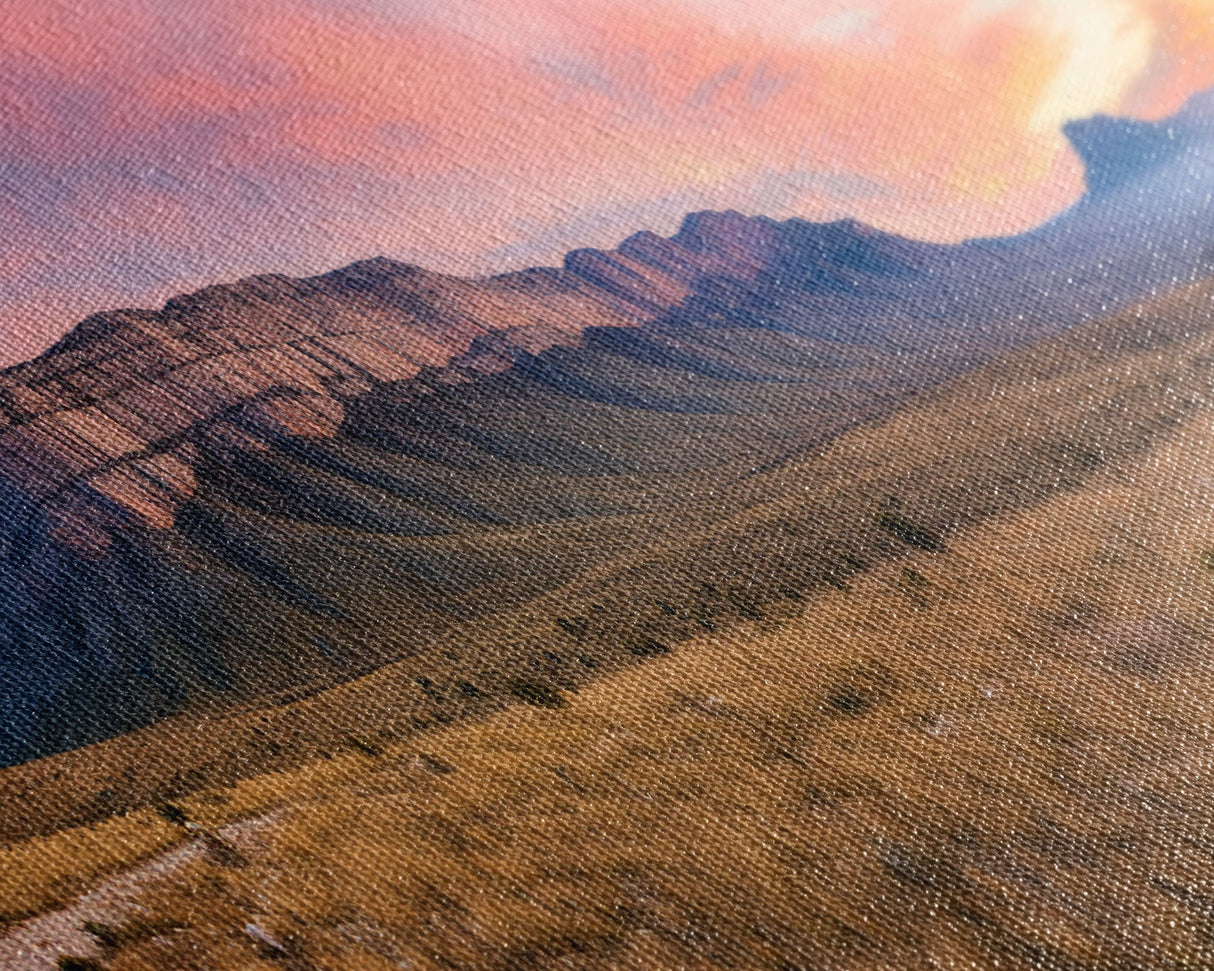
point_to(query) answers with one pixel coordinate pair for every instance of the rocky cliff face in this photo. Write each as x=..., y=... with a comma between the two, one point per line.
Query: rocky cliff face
x=104, y=431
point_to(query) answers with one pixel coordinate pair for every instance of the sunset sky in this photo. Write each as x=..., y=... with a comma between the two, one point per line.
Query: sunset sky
x=149, y=147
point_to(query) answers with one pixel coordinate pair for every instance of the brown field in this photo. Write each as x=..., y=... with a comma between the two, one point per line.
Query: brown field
x=939, y=697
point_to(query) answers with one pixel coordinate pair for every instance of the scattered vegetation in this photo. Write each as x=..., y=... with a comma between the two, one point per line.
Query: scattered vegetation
x=837, y=578
x=430, y=688
x=574, y=626
x=113, y=939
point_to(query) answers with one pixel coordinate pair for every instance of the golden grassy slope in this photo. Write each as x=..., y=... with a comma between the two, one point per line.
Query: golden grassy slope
x=994, y=754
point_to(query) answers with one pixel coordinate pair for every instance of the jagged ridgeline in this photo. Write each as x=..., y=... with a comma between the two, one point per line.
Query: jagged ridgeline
x=280, y=484
x=287, y=480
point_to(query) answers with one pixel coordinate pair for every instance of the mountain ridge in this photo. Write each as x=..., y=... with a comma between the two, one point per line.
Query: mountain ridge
x=178, y=485
x=273, y=355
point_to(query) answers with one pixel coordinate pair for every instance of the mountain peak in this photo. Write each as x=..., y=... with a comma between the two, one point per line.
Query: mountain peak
x=709, y=231
x=1116, y=151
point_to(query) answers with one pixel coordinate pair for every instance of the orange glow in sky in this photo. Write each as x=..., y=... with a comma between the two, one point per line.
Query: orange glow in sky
x=149, y=147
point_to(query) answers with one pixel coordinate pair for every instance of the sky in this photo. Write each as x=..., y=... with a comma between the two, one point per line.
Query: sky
x=151, y=147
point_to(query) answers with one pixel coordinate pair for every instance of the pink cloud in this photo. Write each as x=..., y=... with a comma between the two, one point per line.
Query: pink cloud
x=150, y=148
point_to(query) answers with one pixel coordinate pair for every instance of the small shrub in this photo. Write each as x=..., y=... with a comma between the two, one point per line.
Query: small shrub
x=173, y=814
x=909, y=533
x=435, y=764
x=649, y=648
x=107, y=936
x=534, y=693
x=69, y=963
x=850, y=702
x=365, y=745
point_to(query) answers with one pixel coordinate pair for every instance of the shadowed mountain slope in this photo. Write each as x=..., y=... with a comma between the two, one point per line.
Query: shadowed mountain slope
x=282, y=481
x=278, y=485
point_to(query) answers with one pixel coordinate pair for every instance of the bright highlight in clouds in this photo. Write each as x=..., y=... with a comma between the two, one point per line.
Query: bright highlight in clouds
x=1109, y=45
x=149, y=147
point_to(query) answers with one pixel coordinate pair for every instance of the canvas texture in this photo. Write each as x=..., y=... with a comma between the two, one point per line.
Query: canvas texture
x=683, y=484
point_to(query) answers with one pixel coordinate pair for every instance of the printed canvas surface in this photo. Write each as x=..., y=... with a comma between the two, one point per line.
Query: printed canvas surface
x=534, y=484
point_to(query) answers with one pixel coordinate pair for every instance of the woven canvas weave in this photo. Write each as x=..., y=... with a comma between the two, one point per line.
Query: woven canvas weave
x=682, y=484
